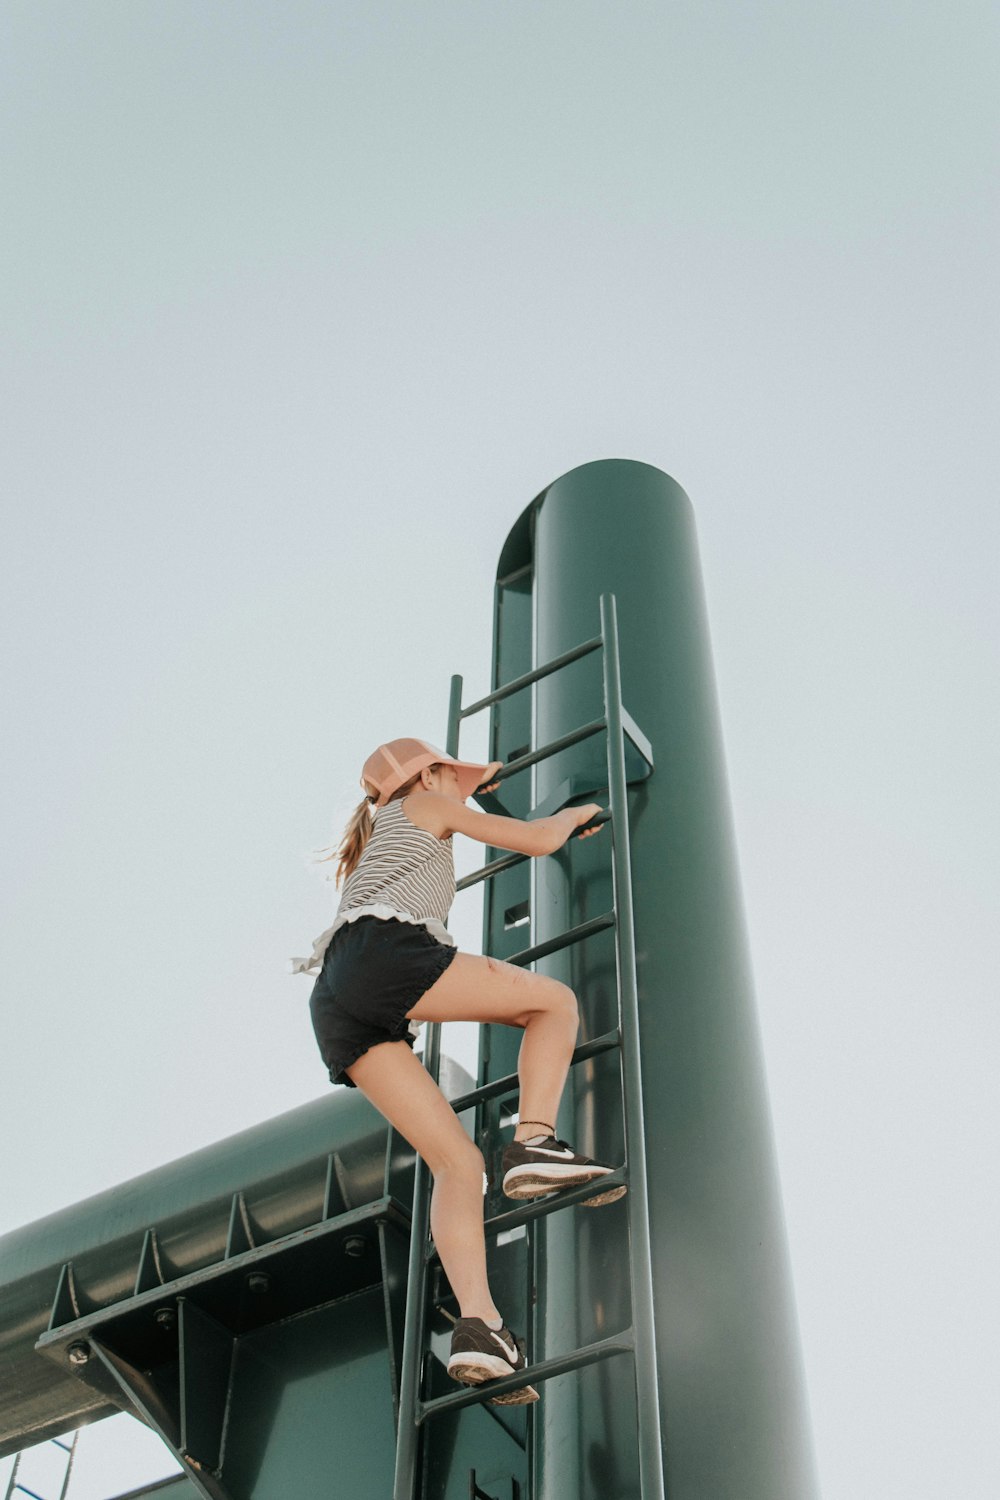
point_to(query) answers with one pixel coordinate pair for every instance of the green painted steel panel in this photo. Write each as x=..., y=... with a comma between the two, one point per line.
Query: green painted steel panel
x=312, y=1409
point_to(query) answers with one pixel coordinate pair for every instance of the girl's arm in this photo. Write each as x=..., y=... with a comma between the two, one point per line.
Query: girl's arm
x=543, y=836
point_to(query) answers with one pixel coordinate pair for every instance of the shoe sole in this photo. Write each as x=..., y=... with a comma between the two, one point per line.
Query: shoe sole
x=611, y=1196
x=476, y=1369
x=530, y=1181
x=525, y=1192
x=523, y=1397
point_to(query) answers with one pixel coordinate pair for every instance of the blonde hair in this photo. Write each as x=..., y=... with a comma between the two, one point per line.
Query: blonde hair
x=359, y=830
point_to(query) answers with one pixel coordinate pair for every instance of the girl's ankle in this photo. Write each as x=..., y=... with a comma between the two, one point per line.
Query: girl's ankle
x=491, y=1319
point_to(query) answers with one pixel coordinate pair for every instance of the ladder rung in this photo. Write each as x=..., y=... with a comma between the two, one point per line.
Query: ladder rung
x=539, y=1208
x=488, y=871
x=516, y=683
x=509, y=1084
x=585, y=732
x=551, y=1203
x=496, y=866
x=553, y=945
x=24, y=1489
x=621, y=1343
x=524, y=571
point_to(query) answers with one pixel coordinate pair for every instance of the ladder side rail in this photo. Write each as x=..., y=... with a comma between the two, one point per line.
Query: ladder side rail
x=640, y=1249
x=526, y=679
x=407, y=1433
x=13, y=1477
x=70, y=1449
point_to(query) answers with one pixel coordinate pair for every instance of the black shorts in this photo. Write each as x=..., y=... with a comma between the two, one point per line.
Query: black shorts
x=374, y=971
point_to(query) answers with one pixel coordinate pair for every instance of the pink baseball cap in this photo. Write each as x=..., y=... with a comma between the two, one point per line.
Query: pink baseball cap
x=392, y=765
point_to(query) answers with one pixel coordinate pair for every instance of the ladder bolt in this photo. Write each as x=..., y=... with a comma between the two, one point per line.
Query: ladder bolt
x=258, y=1282
x=165, y=1318
x=78, y=1354
x=355, y=1246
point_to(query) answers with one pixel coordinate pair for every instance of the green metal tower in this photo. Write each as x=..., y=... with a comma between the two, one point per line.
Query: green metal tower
x=274, y=1307
x=662, y=1325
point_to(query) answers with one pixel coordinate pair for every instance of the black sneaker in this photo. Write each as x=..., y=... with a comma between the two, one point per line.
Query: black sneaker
x=531, y=1169
x=478, y=1353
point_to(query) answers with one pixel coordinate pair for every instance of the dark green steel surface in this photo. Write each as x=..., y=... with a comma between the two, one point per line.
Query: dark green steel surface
x=310, y=1410
x=731, y=1383
x=313, y=1413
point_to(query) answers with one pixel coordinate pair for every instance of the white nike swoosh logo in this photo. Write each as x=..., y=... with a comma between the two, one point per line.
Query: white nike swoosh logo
x=510, y=1353
x=545, y=1151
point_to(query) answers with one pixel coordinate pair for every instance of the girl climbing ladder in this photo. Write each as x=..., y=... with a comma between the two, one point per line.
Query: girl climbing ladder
x=388, y=963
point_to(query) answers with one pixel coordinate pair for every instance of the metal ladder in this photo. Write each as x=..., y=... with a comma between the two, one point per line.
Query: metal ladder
x=18, y=1487
x=638, y=1340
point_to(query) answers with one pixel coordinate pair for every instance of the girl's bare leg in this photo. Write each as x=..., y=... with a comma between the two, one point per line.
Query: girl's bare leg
x=487, y=989
x=398, y=1084
x=400, y=1087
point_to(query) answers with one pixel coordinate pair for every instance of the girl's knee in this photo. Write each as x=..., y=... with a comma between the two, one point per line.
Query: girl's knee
x=550, y=997
x=564, y=1002
x=460, y=1157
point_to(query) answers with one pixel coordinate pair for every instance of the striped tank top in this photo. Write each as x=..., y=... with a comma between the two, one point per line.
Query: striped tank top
x=404, y=871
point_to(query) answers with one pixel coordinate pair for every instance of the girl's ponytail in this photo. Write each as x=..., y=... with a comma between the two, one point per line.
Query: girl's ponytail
x=352, y=845
x=359, y=829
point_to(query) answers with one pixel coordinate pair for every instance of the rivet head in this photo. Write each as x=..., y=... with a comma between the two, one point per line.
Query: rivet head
x=355, y=1246
x=258, y=1282
x=78, y=1354
x=166, y=1317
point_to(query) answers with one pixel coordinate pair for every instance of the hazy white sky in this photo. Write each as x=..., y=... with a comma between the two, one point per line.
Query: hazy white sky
x=302, y=304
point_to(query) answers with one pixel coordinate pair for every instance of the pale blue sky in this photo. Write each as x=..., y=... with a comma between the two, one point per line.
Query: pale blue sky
x=301, y=306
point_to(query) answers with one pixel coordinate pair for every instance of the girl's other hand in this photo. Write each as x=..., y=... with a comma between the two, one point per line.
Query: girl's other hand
x=491, y=770
x=569, y=819
x=584, y=815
